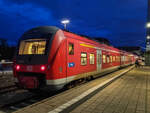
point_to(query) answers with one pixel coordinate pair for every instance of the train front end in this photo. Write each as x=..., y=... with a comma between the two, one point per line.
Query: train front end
x=32, y=57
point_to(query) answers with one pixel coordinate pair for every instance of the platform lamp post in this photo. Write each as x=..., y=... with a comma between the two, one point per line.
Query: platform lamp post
x=65, y=22
x=147, y=54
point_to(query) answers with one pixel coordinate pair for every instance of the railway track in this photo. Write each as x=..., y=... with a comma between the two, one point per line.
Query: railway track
x=23, y=100
x=8, y=89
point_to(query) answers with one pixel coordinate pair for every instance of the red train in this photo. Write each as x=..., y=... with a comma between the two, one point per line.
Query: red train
x=48, y=57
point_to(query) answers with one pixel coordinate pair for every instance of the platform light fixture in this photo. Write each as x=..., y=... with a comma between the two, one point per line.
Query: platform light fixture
x=65, y=22
x=148, y=37
x=148, y=25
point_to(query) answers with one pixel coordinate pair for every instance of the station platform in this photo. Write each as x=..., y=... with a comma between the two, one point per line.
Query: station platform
x=127, y=93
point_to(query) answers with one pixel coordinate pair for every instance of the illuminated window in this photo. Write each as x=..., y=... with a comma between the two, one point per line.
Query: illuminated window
x=91, y=58
x=122, y=58
x=104, y=58
x=32, y=46
x=107, y=58
x=117, y=58
x=71, y=49
x=83, y=58
x=113, y=58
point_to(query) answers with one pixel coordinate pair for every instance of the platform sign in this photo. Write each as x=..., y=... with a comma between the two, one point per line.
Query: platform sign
x=99, y=59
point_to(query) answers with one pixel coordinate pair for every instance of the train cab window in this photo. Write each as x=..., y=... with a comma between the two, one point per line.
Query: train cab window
x=91, y=58
x=108, y=59
x=83, y=58
x=71, y=49
x=104, y=58
x=32, y=46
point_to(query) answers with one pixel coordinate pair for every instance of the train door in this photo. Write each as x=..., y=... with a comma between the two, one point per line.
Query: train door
x=99, y=60
x=71, y=60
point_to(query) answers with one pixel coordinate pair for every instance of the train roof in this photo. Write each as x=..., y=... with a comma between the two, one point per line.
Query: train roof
x=94, y=41
x=54, y=29
x=40, y=30
x=89, y=40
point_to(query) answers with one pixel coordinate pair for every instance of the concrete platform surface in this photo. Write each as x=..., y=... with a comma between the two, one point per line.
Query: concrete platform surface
x=128, y=94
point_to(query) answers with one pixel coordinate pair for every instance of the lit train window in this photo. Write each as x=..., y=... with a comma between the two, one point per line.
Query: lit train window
x=113, y=58
x=104, y=58
x=107, y=58
x=83, y=58
x=32, y=46
x=71, y=49
x=91, y=58
x=117, y=58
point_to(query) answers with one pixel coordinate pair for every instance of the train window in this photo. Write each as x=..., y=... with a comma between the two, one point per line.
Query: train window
x=113, y=58
x=107, y=58
x=91, y=58
x=117, y=58
x=104, y=58
x=122, y=58
x=83, y=58
x=32, y=46
x=71, y=49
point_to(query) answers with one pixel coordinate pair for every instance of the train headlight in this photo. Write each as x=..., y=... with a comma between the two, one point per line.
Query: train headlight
x=43, y=68
x=17, y=67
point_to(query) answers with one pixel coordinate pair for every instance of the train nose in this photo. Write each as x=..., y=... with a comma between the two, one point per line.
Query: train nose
x=29, y=82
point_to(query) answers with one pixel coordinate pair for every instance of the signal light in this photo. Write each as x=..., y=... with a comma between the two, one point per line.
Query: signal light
x=43, y=68
x=17, y=67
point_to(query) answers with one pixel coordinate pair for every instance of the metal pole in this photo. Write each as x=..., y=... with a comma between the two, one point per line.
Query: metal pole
x=148, y=29
x=65, y=25
x=147, y=54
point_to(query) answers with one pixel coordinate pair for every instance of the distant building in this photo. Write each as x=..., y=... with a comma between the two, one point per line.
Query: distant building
x=6, y=51
x=133, y=49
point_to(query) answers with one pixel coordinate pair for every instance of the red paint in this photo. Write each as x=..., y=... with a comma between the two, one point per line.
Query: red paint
x=28, y=82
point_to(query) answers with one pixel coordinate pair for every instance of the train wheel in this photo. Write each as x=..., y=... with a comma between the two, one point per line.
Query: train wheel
x=89, y=78
x=69, y=86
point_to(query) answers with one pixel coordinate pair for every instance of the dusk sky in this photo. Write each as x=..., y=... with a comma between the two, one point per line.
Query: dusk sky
x=123, y=22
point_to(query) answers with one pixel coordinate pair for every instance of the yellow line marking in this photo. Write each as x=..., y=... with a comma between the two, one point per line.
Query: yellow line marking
x=85, y=45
